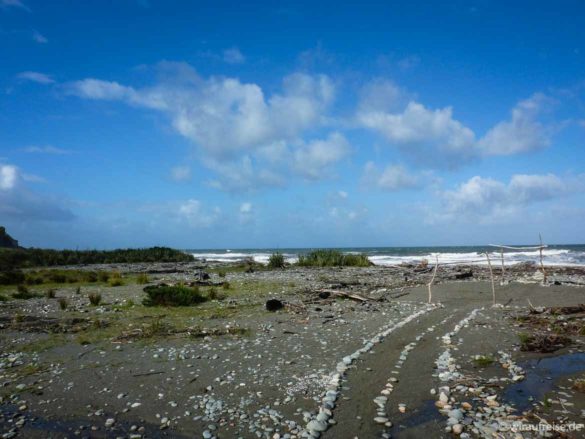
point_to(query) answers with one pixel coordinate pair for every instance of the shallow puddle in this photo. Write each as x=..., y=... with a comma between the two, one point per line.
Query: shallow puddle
x=541, y=375
x=424, y=414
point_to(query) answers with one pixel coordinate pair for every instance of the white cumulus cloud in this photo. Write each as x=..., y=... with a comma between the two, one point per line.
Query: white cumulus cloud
x=391, y=178
x=436, y=138
x=194, y=213
x=481, y=197
x=314, y=159
x=20, y=203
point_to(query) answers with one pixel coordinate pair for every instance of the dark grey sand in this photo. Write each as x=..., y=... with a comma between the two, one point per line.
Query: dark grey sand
x=111, y=379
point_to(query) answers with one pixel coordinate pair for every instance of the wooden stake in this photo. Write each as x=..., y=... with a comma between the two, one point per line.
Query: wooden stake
x=432, y=279
x=492, y=277
x=541, y=263
x=503, y=268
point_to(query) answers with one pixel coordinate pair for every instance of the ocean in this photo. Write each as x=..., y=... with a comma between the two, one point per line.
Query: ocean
x=571, y=255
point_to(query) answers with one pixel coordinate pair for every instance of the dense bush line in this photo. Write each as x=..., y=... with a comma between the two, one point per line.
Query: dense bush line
x=36, y=257
x=55, y=276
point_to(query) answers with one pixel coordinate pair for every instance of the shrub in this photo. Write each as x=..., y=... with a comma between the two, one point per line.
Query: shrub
x=116, y=279
x=213, y=294
x=22, y=292
x=103, y=276
x=50, y=294
x=78, y=291
x=276, y=260
x=63, y=303
x=172, y=296
x=142, y=279
x=115, y=282
x=579, y=385
x=94, y=298
x=11, y=277
x=3, y=298
x=221, y=273
x=226, y=285
x=333, y=258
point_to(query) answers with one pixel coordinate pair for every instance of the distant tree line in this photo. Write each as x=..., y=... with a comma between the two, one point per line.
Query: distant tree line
x=11, y=259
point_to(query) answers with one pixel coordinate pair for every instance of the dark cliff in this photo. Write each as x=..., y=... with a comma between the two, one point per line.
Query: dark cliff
x=6, y=241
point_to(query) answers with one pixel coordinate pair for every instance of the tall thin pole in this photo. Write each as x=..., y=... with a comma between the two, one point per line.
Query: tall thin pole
x=541, y=263
x=433, y=278
x=492, y=277
x=503, y=267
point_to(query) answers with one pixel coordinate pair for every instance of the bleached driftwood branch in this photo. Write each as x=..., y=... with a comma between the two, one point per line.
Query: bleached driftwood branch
x=503, y=267
x=487, y=255
x=433, y=279
x=541, y=263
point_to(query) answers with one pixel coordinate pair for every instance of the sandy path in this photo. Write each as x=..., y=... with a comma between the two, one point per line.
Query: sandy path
x=413, y=387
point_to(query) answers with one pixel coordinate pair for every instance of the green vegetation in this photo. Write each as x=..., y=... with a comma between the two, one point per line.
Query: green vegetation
x=52, y=276
x=173, y=296
x=23, y=292
x=94, y=298
x=333, y=258
x=483, y=361
x=11, y=259
x=579, y=385
x=276, y=260
x=525, y=340
x=142, y=279
x=63, y=303
x=3, y=298
x=50, y=293
x=213, y=294
x=116, y=279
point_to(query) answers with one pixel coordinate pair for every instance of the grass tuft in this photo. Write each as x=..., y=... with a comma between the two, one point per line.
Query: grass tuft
x=50, y=294
x=142, y=279
x=23, y=293
x=483, y=361
x=94, y=298
x=116, y=279
x=63, y=303
x=276, y=260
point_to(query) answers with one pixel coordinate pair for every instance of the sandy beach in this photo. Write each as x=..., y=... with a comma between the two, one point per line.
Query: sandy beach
x=384, y=363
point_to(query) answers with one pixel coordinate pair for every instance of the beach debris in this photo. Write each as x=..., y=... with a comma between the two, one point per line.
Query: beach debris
x=202, y=275
x=544, y=343
x=325, y=293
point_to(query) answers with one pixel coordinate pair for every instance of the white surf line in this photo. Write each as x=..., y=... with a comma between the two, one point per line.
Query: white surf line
x=493, y=419
x=321, y=423
x=382, y=400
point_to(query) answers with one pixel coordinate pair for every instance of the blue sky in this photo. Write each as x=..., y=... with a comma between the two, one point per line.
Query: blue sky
x=291, y=124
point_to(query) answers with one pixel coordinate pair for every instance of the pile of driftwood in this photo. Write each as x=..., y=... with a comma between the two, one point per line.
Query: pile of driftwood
x=318, y=297
x=558, y=310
